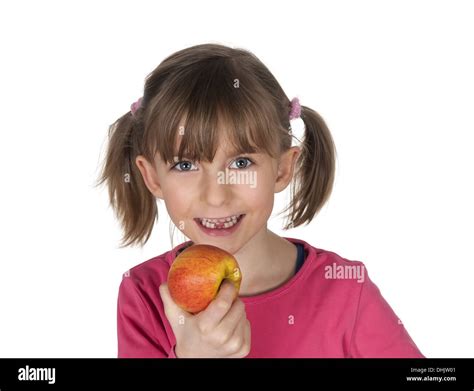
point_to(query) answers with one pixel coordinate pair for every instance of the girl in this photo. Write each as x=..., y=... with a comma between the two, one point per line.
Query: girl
x=209, y=112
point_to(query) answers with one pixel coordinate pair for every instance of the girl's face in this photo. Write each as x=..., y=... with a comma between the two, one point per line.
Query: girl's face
x=232, y=185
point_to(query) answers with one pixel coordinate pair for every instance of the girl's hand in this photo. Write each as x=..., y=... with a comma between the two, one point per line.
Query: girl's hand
x=221, y=330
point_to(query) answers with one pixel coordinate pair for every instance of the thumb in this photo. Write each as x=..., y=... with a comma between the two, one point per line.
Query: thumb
x=173, y=312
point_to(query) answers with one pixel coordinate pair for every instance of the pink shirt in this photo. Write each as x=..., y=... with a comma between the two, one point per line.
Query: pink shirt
x=327, y=309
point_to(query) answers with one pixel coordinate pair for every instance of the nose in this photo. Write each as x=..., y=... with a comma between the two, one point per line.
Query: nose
x=214, y=191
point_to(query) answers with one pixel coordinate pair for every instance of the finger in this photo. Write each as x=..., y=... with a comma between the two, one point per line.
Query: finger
x=232, y=319
x=218, y=308
x=239, y=337
x=248, y=337
x=173, y=312
x=245, y=349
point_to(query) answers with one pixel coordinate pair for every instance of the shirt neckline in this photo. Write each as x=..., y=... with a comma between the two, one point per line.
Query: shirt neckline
x=311, y=257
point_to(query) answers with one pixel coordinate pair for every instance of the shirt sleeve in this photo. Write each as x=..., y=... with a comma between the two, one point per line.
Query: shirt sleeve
x=139, y=334
x=378, y=332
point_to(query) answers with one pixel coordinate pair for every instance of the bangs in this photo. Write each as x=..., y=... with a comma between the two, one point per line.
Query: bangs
x=209, y=104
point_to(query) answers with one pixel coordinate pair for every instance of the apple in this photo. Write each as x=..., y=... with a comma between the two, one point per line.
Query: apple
x=197, y=273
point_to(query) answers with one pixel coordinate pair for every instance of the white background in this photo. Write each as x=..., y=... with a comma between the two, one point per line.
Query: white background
x=393, y=80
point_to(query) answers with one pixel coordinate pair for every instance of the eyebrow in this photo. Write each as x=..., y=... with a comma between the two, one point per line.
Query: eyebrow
x=231, y=153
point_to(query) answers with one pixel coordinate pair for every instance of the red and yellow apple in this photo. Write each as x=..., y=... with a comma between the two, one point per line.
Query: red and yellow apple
x=197, y=273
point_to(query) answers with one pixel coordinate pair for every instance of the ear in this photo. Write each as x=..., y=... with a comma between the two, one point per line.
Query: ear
x=150, y=176
x=286, y=167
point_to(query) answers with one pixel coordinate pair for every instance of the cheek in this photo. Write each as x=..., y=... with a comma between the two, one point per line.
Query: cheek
x=177, y=199
x=261, y=197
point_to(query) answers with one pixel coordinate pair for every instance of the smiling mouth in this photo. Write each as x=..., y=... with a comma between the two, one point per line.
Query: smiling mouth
x=219, y=223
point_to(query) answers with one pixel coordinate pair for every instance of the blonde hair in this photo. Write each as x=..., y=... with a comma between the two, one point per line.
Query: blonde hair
x=209, y=85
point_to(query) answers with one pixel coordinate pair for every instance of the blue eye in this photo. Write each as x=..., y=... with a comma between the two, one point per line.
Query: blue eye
x=185, y=165
x=244, y=160
x=181, y=164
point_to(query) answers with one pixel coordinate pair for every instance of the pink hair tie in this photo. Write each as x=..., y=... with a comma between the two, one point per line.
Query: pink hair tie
x=136, y=105
x=295, y=111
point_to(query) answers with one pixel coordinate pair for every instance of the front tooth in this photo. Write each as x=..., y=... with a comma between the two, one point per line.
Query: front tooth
x=227, y=222
x=222, y=220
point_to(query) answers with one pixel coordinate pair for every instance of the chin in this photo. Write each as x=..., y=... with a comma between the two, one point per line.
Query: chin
x=230, y=248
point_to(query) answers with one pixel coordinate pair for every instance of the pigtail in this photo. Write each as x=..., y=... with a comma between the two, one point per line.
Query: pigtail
x=133, y=204
x=314, y=171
